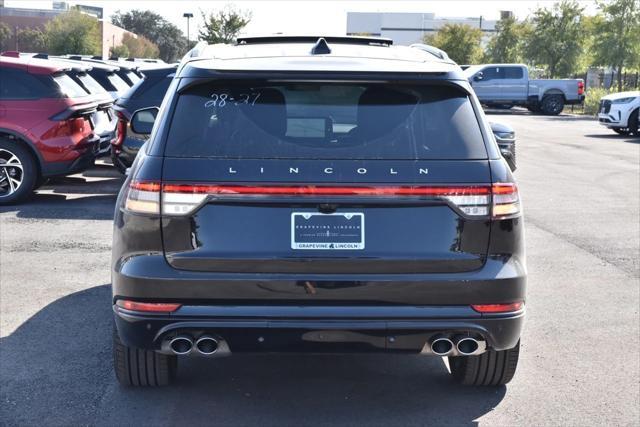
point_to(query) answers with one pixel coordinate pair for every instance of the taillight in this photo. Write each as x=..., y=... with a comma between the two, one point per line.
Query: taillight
x=182, y=199
x=506, y=201
x=121, y=130
x=580, y=87
x=143, y=197
x=498, y=308
x=68, y=127
x=501, y=200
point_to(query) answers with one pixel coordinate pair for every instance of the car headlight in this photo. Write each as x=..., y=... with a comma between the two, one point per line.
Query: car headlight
x=623, y=100
x=505, y=135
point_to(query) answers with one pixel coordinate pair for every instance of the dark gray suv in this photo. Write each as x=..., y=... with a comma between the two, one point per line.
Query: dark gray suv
x=309, y=194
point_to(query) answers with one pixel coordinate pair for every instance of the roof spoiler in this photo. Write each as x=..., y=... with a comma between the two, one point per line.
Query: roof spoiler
x=277, y=38
x=438, y=53
x=193, y=53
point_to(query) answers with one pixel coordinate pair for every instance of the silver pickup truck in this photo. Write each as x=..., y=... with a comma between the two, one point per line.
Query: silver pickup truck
x=506, y=85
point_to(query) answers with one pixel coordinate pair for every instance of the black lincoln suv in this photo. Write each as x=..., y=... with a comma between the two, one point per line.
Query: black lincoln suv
x=309, y=194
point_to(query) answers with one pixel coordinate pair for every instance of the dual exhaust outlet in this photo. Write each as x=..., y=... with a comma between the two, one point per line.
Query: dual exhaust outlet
x=206, y=345
x=459, y=345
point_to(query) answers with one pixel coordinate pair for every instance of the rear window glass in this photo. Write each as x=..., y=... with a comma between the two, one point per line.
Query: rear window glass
x=155, y=89
x=117, y=82
x=90, y=83
x=513, y=73
x=133, y=77
x=325, y=121
x=68, y=87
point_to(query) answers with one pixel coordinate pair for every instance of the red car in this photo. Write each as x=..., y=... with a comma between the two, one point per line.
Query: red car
x=45, y=125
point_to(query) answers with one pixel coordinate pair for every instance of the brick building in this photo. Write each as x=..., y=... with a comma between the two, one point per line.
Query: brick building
x=20, y=18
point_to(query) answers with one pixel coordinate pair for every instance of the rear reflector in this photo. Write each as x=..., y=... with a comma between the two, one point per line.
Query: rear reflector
x=183, y=199
x=498, y=308
x=153, y=307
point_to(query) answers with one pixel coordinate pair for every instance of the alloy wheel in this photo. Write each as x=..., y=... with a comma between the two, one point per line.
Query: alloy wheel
x=11, y=173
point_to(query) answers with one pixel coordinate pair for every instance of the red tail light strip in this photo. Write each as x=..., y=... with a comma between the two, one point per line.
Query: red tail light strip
x=145, y=186
x=499, y=200
x=324, y=191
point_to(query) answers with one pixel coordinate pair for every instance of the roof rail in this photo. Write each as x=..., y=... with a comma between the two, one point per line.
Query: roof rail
x=277, y=38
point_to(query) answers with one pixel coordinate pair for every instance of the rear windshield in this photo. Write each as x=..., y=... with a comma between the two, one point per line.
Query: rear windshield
x=90, y=83
x=68, y=87
x=133, y=77
x=117, y=82
x=325, y=121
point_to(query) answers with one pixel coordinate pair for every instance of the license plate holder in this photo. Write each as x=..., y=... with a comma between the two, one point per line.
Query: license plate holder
x=332, y=231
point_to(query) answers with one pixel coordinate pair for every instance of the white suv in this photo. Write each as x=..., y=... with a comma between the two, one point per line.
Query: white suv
x=619, y=111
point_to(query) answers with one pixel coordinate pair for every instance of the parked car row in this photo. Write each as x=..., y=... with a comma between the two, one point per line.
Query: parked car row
x=58, y=113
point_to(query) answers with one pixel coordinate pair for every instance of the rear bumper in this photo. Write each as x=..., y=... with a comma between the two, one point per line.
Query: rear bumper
x=335, y=329
x=85, y=160
x=318, y=312
x=148, y=277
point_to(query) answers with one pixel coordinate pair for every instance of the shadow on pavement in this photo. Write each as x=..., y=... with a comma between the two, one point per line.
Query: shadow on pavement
x=91, y=195
x=57, y=367
x=616, y=137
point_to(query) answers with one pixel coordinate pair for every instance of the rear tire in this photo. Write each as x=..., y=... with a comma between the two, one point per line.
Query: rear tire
x=18, y=172
x=552, y=105
x=634, y=123
x=136, y=367
x=491, y=368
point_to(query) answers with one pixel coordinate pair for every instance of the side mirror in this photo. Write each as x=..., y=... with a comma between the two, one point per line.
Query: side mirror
x=478, y=77
x=142, y=120
x=509, y=156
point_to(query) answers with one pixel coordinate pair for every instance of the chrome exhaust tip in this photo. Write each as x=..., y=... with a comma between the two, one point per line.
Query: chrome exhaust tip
x=207, y=345
x=182, y=344
x=467, y=346
x=441, y=346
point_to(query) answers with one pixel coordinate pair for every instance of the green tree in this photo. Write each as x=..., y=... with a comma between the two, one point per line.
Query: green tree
x=556, y=38
x=506, y=45
x=140, y=47
x=460, y=41
x=617, y=36
x=224, y=25
x=5, y=36
x=73, y=32
x=120, y=51
x=32, y=40
x=170, y=41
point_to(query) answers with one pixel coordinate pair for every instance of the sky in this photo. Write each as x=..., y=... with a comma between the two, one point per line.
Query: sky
x=307, y=17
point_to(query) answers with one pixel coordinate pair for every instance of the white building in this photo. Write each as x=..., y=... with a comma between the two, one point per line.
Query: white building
x=408, y=28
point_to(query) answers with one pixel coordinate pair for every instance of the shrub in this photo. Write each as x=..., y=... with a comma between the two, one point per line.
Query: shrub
x=592, y=99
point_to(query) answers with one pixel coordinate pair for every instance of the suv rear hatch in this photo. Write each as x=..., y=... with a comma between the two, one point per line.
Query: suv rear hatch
x=324, y=177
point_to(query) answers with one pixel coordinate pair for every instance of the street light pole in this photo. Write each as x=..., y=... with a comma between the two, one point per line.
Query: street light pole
x=188, y=16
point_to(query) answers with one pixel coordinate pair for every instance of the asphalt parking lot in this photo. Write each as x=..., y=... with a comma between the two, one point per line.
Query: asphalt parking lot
x=579, y=361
